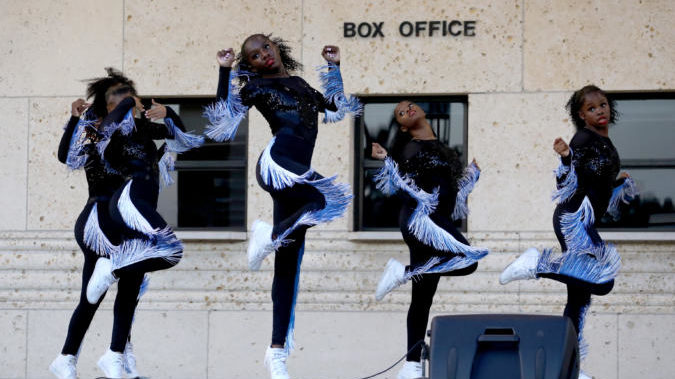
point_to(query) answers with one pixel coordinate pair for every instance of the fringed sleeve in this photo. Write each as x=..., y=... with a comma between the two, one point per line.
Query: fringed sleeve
x=625, y=192
x=466, y=185
x=331, y=83
x=178, y=141
x=227, y=112
x=120, y=119
x=566, y=179
x=386, y=178
x=76, y=154
x=67, y=138
x=166, y=164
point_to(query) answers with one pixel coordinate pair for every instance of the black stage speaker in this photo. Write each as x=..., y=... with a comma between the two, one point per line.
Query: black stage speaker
x=503, y=347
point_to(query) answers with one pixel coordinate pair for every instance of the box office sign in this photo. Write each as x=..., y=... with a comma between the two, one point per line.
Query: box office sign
x=452, y=28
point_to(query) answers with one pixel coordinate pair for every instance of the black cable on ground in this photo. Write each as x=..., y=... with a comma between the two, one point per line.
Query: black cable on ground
x=395, y=363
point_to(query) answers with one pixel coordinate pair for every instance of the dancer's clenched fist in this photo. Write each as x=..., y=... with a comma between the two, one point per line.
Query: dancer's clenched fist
x=225, y=57
x=561, y=147
x=331, y=54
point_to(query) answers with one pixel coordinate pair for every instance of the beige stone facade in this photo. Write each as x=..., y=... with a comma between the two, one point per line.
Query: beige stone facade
x=210, y=317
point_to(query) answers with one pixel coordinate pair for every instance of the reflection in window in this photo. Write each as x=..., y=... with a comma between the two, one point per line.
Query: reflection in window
x=645, y=137
x=210, y=182
x=448, y=118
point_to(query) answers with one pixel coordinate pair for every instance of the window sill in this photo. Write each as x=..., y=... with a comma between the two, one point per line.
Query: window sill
x=197, y=235
x=375, y=236
x=638, y=236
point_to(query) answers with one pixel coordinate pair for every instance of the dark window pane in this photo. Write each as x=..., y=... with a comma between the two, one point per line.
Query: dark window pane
x=644, y=137
x=210, y=188
x=212, y=199
x=654, y=207
x=379, y=211
x=645, y=130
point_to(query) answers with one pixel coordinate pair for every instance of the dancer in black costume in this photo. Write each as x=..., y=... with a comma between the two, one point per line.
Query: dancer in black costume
x=435, y=187
x=587, y=187
x=146, y=242
x=302, y=198
x=94, y=228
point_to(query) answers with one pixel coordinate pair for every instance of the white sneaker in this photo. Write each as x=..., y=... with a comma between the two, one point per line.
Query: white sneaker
x=275, y=361
x=64, y=367
x=524, y=267
x=393, y=276
x=410, y=370
x=260, y=244
x=100, y=280
x=130, y=361
x=112, y=364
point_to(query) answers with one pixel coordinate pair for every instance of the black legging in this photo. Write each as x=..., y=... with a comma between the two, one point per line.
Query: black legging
x=424, y=286
x=143, y=193
x=289, y=204
x=125, y=302
x=578, y=291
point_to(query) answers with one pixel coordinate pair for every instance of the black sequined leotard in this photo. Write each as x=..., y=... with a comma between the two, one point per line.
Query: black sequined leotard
x=101, y=181
x=136, y=153
x=291, y=107
x=431, y=165
x=596, y=163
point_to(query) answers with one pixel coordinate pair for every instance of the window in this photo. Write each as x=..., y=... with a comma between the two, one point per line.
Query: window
x=645, y=138
x=210, y=182
x=448, y=118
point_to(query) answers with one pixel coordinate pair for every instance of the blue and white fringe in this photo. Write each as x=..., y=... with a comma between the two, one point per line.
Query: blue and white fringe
x=131, y=216
x=225, y=115
x=599, y=265
x=337, y=197
x=290, y=333
x=575, y=226
x=430, y=234
x=126, y=126
x=144, y=286
x=422, y=269
x=435, y=266
x=386, y=178
x=626, y=192
x=164, y=245
x=583, y=344
x=76, y=158
x=455, y=263
x=466, y=184
x=141, y=291
x=182, y=141
x=420, y=224
x=94, y=237
x=166, y=165
x=565, y=189
x=389, y=181
x=275, y=175
x=331, y=83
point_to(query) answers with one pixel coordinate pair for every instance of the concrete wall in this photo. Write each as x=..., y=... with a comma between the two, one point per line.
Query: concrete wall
x=210, y=317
